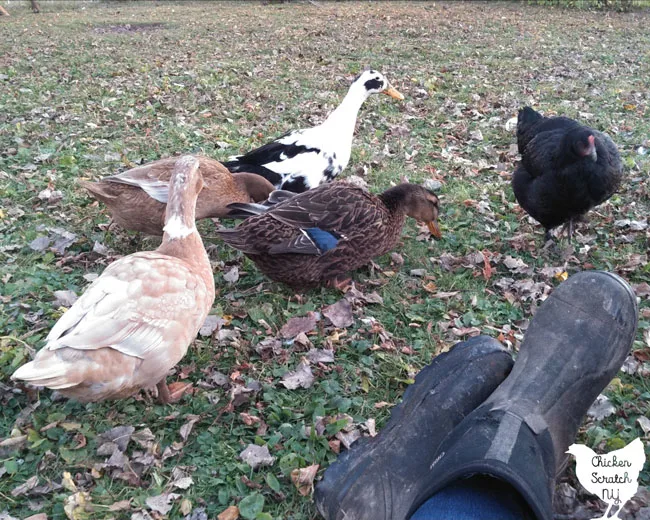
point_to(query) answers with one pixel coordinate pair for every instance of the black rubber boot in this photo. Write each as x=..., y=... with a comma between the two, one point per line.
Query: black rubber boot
x=576, y=342
x=378, y=478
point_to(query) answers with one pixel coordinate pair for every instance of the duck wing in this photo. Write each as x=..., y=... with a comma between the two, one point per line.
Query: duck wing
x=309, y=223
x=153, y=181
x=298, y=161
x=130, y=307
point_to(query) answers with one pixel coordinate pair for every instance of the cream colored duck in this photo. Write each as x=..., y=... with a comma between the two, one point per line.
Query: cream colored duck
x=301, y=160
x=137, y=320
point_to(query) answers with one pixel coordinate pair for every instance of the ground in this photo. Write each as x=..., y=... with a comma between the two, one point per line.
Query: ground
x=88, y=90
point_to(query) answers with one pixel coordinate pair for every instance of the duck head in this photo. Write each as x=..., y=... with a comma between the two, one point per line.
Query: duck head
x=417, y=202
x=255, y=186
x=373, y=82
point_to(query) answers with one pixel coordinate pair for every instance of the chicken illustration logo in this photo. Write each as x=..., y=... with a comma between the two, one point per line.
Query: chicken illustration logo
x=612, y=476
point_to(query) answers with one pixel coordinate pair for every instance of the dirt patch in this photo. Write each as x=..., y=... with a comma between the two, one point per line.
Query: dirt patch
x=122, y=28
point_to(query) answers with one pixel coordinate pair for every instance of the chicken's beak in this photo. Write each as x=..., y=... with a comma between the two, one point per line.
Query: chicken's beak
x=393, y=92
x=435, y=230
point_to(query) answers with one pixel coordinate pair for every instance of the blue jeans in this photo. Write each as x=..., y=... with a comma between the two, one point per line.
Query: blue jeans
x=476, y=498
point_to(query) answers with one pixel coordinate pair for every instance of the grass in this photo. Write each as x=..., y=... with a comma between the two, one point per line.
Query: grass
x=89, y=88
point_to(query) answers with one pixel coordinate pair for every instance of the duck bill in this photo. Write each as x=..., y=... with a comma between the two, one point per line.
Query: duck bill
x=393, y=92
x=434, y=229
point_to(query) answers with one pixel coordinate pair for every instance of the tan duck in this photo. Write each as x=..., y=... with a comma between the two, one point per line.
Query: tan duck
x=319, y=235
x=137, y=320
x=136, y=198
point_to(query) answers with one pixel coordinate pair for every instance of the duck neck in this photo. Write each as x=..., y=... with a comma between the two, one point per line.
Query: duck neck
x=396, y=199
x=180, y=215
x=344, y=117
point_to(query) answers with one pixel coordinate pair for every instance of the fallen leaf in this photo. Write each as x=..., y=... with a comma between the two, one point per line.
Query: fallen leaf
x=232, y=275
x=230, y=513
x=183, y=483
x=28, y=485
x=466, y=331
x=644, y=423
x=198, y=513
x=68, y=483
x=122, y=505
x=320, y=355
x=162, y=503
x=186, y=429
x=296, y=325
x=38, y=516
x=302, y=377
x=641, y=289
x=144, y=438
x=601, y=408
x=178, y=389
x=118, y=437
x=211, y=324
x=257, y=456
x=251, y=506
x=303, y=479
x=397, y=259
x=340, y=313
x=515, y=264
x=40, y=243
x=64, y=298
x=75, y=505
x=186, y=506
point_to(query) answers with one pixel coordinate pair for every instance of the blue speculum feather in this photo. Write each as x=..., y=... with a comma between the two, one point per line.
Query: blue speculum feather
x=323, y=239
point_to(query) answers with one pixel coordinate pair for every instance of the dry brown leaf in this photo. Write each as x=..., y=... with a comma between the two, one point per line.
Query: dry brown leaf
x=186, y=506
x=340, y=314
x=186, y=429
x=178, y=389
x=29, y=484
x=122, y=505
x=301, y=377
x=231, y=513
x=162, y=503
x=257, y=456
x=296, y=325
x=303, y=479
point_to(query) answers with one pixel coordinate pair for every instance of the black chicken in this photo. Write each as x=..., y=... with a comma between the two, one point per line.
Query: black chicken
x=566, y=169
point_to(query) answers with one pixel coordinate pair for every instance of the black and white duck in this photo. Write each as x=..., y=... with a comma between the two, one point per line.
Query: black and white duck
x=303, y=159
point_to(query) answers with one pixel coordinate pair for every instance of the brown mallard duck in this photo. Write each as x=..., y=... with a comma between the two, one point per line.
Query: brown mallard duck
x=319, y=235
x=136, y=198
x=137, y=320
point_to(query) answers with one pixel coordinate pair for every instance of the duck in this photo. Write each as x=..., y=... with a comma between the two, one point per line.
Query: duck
x=137, y=319
x=137, y=197
x=301, y=160
x=566, y=169
x=318, y=236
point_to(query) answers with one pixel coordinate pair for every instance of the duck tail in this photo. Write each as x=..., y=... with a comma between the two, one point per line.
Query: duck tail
x=99, y=190
x=52, y=374
x=244, y=210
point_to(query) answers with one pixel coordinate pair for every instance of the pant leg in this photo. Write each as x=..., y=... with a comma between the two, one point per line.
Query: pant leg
x=476, y=498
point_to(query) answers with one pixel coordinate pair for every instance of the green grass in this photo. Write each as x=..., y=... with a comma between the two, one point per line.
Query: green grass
x=80, y=92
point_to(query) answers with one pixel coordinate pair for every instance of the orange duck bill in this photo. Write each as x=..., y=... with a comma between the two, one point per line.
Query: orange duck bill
x=393, y=92
x=435, y=230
